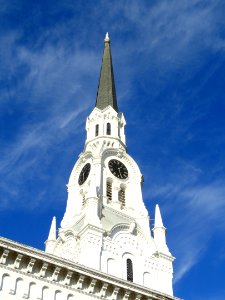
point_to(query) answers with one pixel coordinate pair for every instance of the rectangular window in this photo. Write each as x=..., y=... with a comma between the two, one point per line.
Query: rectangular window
x=96, y=130
x=108, y=129
x=129, y=270
x=109, y=191
x=121, y=196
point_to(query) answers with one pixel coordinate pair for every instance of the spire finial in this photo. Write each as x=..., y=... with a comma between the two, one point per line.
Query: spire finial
x=106, y=94
x=107, y=37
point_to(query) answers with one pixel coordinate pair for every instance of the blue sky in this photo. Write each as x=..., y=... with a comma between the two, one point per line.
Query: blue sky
x=169, y=64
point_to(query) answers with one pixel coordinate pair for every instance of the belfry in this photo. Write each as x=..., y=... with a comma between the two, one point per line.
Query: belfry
x=104, y=247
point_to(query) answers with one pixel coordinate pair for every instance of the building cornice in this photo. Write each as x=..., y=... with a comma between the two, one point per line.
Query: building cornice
x=22, y=259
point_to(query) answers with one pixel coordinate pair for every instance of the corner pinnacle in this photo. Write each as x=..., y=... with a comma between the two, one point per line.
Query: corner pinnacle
x=158, y=217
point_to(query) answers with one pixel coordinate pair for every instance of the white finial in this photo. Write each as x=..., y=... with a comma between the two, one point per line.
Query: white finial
x=160, y=233
x=158, y=217
x=107, y=37
x=52, y=232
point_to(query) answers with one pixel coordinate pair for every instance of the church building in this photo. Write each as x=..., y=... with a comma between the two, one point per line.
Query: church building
x=105, y=248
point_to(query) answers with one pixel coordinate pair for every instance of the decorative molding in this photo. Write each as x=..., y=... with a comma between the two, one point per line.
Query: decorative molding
x=92, y=286
x=4, y=256
x=126, y=295
x=80, y=282
x=30, y=265
x=44, y=269
x=55, y=275
x=18, y=261
x=104, y=290
x=115, y=293
x=68, y=278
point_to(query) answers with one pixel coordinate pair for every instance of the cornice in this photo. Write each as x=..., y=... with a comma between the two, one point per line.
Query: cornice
x=16, y=249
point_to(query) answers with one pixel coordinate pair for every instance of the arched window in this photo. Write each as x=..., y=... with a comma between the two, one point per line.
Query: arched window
x=112, y=267
x=129, y=270
x=96, y=130
x=19, y=288
x=121, y=196
x=46, y=293
x=147, y=279
x=32, y=293
x=109, y=190
x=5, y=284
x=108, y=129
x=58, y=295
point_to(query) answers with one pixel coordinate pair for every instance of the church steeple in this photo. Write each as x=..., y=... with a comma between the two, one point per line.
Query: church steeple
x=106, y=224
x=106, y=94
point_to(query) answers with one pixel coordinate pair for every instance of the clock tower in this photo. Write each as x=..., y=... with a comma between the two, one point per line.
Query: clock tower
x=106, y=225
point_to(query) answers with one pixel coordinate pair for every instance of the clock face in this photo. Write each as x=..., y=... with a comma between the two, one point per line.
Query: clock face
x=118, y=169
x=84, y=173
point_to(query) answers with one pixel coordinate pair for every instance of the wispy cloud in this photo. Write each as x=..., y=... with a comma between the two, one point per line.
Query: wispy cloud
x=194, y=211
x=52, y=79
x=52, y=95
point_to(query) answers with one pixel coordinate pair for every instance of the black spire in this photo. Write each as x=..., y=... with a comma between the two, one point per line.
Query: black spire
x=106, y=94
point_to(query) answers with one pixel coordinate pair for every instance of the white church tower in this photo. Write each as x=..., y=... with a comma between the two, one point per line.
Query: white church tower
x=106, y=226
x=104, y=248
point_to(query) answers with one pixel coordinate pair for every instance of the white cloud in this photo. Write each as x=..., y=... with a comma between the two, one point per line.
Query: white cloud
x=53, y=94
x=194, y=211
x=164, y=37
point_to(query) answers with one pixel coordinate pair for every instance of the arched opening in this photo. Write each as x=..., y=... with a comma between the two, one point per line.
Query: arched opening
x=46, y=293
x=32, y=293
x=121, y=196
x=109, y=190
x=111, y=267
x=58, y=295
x=147, y=279
x=129, y=270
x=5, y=284
x=108, y=129
x=96, y=129
x=19, y=288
